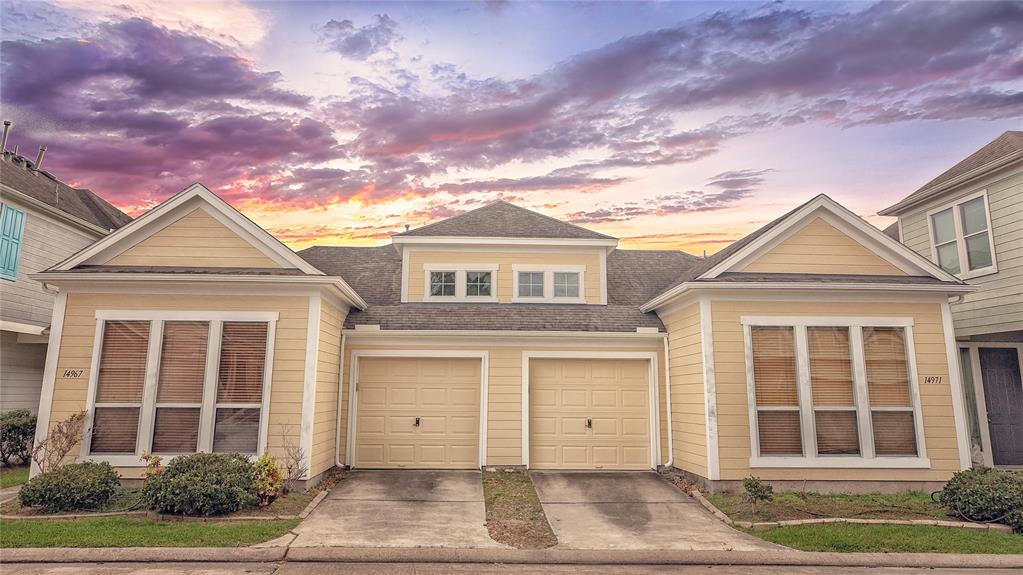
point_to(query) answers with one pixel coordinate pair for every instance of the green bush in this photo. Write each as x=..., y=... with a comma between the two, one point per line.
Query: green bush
x=73, y=487
x=17, y=429
x=984, y=494
x=203, y=484
x=757, y=491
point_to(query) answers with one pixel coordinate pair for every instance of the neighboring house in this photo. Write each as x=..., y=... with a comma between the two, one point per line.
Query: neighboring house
x=816, y=349
x=43, y=222
x=970, y=220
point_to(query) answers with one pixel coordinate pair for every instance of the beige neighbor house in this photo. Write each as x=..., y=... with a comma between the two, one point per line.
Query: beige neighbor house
x=969, y=220
x=816, y=349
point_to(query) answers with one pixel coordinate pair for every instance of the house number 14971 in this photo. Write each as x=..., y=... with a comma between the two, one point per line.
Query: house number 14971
x=932, y=379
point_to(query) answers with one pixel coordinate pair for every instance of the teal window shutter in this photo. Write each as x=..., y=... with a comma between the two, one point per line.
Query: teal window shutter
x=12, y=230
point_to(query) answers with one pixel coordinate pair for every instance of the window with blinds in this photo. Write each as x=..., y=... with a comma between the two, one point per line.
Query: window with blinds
x=891, y=403
x=203, y=391
x=833, y=391
x=777, y=393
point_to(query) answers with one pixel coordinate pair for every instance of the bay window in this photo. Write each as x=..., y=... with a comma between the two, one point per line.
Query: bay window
x=836, y=392
x=179, y=384
x=961, y=237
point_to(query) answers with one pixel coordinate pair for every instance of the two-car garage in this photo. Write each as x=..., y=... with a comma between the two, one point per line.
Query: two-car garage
x=579, y=411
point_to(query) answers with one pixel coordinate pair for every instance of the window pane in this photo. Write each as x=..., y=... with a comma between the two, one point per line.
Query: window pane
x=442, y=283
x=884, y=350
x=477, y=283
x=566, y=284
x=242, y=362
x=122, y=366
x=182, y=362
x=530, y=284
x=830, y=366
x=894, y=433
x=114, y=430
x=978, y=251
x=236, y=431
x=973, y=215
x=176, y=430
x=944, y=226
x=948, y=258
x=779, y=433
x=837, y=433
x=774, y=366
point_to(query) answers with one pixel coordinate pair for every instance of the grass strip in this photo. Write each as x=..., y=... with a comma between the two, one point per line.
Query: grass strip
x=514, y=514
x=852, y=538
x=790, y=505
x=136, y=532
x=11, y=476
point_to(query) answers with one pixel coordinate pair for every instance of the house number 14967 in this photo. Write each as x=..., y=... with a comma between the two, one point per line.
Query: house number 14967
x=73, y=373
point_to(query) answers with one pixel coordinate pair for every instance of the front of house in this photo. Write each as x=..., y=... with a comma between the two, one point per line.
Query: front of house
x=816, y=349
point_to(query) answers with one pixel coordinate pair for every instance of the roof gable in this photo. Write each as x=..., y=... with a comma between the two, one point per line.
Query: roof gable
x=503, y=220
x=170, y=224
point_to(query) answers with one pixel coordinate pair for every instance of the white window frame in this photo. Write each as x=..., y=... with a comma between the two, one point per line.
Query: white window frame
x=147, y=413
x=461, y=280
x=548, y=271
x=867, y=458
x=964, y=262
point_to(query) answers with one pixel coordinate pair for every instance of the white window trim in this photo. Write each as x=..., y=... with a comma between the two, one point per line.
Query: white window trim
x=147, y=409
x=867, y=458
x=548, y=283
x=964, y=263
x=461, y=271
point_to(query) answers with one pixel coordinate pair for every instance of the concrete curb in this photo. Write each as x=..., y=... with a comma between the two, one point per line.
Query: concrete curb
x=142, y=513
x=312, y=504
x=511, y=556
x=775, y=524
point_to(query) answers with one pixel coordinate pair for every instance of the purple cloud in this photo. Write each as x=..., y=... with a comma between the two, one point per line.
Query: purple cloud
x=359, y=43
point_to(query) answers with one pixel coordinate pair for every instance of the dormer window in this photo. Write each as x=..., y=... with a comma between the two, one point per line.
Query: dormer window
x=442, y=284
x=478, y=284
x=531, y=284
x=553, y=283
x=566, y=284
x=461, y=282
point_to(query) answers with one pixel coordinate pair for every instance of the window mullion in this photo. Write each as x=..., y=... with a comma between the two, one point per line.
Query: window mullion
x=548, y=284
x=804, y=392
x=147, y=411
x=861, y=395
x=461, y=279
x=208, y=411
x=964, y=264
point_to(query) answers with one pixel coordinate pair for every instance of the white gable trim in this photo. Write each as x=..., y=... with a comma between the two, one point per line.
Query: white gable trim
x=844, y=220
x=194, y=197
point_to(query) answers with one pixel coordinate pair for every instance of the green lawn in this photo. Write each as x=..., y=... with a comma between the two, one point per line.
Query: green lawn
x=10, y=476
x=136, y=532
x=788, y=505
x=123, y=500
x=846, y=538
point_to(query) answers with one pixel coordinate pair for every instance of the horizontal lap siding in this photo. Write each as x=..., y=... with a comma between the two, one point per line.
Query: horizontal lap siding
x=197, y=239
x=821, y=248
x=504, y=409
x=688, y=405
x=69, y=395
x=733, y=410
x=21, y=372
x=325, y=407
x=505, y=275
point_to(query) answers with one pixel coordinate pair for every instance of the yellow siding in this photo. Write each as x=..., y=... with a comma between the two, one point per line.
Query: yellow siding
x=505, y=275
x=325, y=408
x=689, y=425
x=504, y=409
x=733, y=414
x=820, y=248
x=69, y=395
x=197, y=239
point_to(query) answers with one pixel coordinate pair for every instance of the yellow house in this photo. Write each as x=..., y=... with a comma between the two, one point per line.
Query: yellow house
x=816, y=350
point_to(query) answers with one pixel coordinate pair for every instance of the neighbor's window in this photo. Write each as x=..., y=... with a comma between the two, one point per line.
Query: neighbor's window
x=12, y=232
x=962, y=240
x=531, y=284
x=566, y=284
x=777, y=393
x=189, y=411
x=477, y=284
x=442, y=284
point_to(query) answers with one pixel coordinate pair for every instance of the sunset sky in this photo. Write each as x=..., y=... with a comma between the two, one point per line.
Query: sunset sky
x=668, y=125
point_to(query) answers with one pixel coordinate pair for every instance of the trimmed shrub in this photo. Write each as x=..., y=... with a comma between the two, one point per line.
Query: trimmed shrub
x=757, y=491
x=986, y=495
x=74, y=487
x=17, y=428
x=203, y=484
x=269, y=479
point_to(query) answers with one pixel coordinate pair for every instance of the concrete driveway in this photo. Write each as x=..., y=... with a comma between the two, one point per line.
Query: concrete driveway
x=402, y=508
x=631, y=510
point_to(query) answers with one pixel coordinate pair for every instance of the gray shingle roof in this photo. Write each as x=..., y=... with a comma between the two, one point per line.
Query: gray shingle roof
x=373, y=272
x=1008, y=143
x=761, y=277
x=504, y=317
x=892, y=231
x=42, y=186
x=504, y=220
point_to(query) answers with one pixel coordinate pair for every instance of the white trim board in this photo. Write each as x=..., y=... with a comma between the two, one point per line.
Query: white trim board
x=710, y=390
x=312, y=351
x=353, y=390
x=50, y=372
x=654, y=389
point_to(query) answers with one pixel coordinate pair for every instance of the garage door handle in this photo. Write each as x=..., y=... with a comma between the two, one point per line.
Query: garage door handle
x=417, y=422
x=589, y=424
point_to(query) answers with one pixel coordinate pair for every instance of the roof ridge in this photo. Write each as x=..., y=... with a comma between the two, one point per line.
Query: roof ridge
x=509, y=204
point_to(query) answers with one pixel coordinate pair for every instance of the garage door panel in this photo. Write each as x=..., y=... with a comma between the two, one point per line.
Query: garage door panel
x=613, y=394
x=442, y=392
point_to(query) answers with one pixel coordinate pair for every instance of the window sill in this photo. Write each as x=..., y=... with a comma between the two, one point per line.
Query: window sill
x=842, y=462
x=456, y=299
x=575, y=300
x=136, y=461
x=977, y=273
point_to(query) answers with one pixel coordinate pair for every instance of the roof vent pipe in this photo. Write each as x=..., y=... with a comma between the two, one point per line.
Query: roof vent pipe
x=7, y=130
x=39, y=158
x=406, y=227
